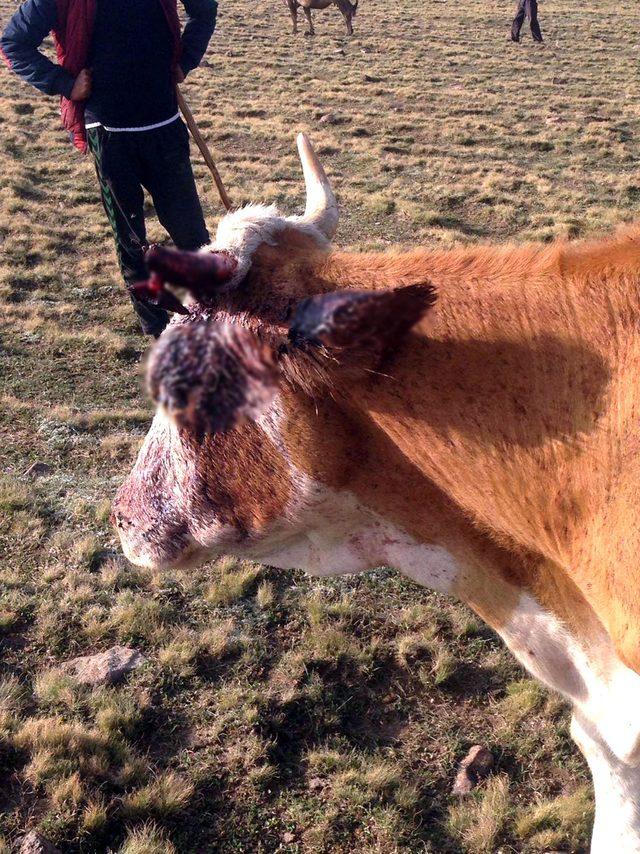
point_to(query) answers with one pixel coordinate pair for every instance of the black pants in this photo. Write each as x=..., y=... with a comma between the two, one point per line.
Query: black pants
x=157, y=160
x=529, y=9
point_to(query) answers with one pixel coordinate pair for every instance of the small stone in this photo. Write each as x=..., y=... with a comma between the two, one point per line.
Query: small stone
x=33, y=843
x=288, y=838
x=474, y=767
x=105, y=668
x=38, y=470
x=316, y=783
x=327, y=119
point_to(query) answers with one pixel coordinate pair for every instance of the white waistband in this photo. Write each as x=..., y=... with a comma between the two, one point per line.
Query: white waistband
x=133, y=130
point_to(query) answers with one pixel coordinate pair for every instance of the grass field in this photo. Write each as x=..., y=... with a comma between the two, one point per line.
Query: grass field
x=277, y=712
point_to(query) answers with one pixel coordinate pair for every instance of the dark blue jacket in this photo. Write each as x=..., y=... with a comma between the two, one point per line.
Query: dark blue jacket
x=35, y=19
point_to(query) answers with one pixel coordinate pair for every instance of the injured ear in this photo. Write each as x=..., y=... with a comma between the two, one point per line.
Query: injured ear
x=359, y=327
x=208, y=377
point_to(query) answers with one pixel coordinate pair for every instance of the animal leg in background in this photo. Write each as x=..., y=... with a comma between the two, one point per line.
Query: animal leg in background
x=347, y=11
x=311, y=31
x=293, y=11
x=601, y=690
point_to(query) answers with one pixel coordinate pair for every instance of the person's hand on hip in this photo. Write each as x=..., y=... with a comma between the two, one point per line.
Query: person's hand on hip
x=82, y=86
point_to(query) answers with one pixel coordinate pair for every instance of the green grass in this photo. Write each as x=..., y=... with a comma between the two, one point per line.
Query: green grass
x=278, y=712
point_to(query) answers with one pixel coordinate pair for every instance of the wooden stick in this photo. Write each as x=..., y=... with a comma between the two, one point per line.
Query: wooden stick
x=204, y=149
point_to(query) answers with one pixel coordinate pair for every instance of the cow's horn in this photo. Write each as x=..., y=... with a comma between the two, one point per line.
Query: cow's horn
x=199, y=272
x=321, y=209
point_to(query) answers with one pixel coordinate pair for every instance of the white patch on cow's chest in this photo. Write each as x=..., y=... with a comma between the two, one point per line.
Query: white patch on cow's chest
x=333, y=534
x=328, y=550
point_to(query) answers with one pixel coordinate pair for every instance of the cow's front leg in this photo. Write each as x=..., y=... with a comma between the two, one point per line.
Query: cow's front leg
x=580, y=662
x=617, y=792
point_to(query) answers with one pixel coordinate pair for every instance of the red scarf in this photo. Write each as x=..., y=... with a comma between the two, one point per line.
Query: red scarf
x=73, y=36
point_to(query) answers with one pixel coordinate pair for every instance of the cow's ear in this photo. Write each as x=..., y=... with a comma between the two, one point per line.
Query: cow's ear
x=359, y=327
x=209, y=377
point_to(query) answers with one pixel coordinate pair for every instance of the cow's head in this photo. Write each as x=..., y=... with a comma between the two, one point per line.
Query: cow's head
x=264, y=341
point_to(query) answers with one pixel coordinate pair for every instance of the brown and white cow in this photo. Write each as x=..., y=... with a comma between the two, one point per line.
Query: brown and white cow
x=320, y=409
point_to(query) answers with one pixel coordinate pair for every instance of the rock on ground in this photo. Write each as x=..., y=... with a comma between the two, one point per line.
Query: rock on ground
x=105, y=668
x=33, y=843
x=474, y=767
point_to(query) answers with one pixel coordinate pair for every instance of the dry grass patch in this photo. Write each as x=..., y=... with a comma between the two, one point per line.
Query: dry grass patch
x=181, y=653
x=67, y=793
x=147, y=839
x=13, y=695
x=136, y=617
x=166, y=795
x=94, y=816
x=13, y=496
x=234, y=582
x=55, y=688
x=119, y=713
x=560, y=821
x=265, y=596
x=523, y=698
x=479, y=821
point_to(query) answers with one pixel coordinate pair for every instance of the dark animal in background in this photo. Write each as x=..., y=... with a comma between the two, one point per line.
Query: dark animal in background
x=347, y=9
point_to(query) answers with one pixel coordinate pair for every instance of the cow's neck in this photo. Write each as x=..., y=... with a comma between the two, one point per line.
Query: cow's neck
x=381, y=270
x=518, y=398
x=360, y=503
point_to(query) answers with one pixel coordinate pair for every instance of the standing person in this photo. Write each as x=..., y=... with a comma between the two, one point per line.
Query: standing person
x=119, y=63
x=529, y=9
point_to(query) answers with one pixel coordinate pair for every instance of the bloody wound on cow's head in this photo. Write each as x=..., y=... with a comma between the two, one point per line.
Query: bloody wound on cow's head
x=203, y=273
x=210, y=376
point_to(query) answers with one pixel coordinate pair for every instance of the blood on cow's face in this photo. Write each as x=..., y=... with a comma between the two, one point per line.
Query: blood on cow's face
x=190, y=497
x=215, y=473
x=147, y=514
x=207, y=478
